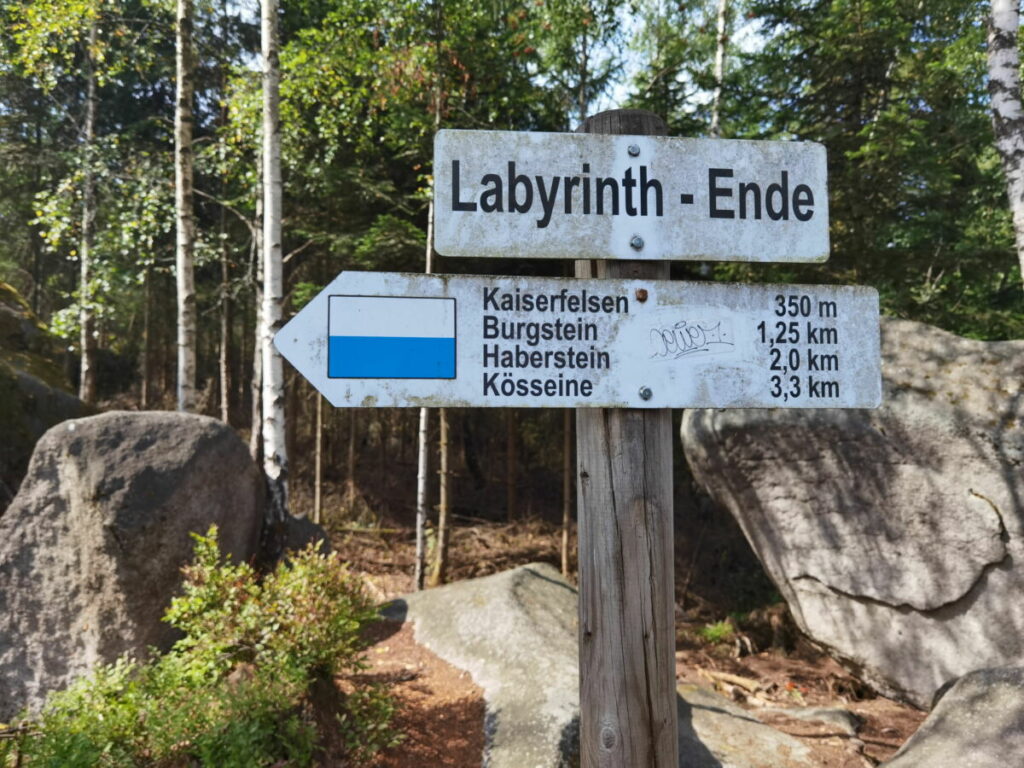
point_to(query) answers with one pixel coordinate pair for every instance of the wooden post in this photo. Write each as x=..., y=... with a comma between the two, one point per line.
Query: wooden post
x=439, y=570
x=627, y=635
x=318, y=459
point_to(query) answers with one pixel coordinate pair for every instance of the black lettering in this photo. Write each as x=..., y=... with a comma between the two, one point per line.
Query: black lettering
x=567, y=187
x=628, y=183
x=490, y=200
x=744, y=189
x=586, y=189
x=803, y=198
x=490, y=327
x=547, y=199
x=489, y=301
x=646, y=185
x=714, y=174
x=606, y=183
x=458, y=205
x=490, y=388
x=782, y=190
x=514, y=206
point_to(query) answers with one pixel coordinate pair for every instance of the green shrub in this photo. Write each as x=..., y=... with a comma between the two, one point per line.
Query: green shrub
x=233, y=692
x=719, y=632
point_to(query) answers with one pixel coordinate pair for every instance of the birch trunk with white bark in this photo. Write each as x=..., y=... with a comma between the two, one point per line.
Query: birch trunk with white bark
x=87, y=371
x=1007, y=113
x=275, y=460
x=183, y=205
x=720, y=41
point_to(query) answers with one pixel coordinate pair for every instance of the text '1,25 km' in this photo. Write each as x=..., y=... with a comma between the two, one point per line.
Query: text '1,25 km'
x=470, y=341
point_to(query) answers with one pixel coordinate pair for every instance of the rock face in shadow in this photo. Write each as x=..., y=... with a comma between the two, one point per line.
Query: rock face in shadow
x=34, y=392
x=516, y=634
x=895, y=535
x=978, y=723
x=92, y=546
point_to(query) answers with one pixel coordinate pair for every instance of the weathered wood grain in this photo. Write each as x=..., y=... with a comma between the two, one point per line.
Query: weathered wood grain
x=627, y=635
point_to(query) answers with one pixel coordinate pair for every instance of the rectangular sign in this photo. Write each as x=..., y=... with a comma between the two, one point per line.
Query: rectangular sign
x=371, y=338
x=513, y=194
x=391, y=339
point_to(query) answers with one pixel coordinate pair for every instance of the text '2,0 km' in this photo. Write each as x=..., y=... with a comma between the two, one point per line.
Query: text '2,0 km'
x=562, y=195
x=391, y=339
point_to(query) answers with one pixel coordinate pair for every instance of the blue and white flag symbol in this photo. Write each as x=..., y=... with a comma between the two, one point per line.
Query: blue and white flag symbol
x=391, y=337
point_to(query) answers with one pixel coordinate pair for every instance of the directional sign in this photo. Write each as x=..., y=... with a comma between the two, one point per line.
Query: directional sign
x=590, y=196
x=391, y=339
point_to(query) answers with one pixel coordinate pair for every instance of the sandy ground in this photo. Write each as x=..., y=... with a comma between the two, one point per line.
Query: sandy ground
x=441, y=710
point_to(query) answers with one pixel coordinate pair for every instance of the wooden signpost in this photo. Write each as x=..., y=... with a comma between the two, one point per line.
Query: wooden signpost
x=626, y=567
x=620, y=343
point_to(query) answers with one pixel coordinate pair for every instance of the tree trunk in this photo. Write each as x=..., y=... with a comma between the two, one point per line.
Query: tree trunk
x=318, y=453
x=437, y=575
x=226, y=308
x=275, y=461
x=147, y=354
x=350, y=464
x=422, y=446
x=721, y=38
x=183, y=204
x=225, y=327
x=256, y=388
x=421, y=498
x=566, y=488
x=511, y=464
x=87, y=371
x=1007, y=112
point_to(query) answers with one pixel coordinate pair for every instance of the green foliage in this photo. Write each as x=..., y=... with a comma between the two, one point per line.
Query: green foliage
x=233, y=692
x=719, y=632
x=896, y=90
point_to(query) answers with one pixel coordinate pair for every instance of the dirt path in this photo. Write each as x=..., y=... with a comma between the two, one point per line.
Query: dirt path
x=441, y=710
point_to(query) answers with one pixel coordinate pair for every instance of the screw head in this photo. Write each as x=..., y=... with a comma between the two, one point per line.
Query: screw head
x=641, y=295
x=634, y=150
x=646, y=393
x=636, y=243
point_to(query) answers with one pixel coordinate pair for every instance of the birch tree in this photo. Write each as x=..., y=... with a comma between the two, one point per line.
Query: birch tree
x=51, y=35
x=275, y=461
x=721, y=38
x=87, y=370
x=1007, y=113
x=183, y=205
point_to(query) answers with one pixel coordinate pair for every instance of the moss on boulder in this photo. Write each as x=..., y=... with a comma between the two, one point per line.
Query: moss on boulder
x=34, y=391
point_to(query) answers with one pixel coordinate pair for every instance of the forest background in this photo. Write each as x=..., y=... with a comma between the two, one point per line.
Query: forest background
x=897, y=91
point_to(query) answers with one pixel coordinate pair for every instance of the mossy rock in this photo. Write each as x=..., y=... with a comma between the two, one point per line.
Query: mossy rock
x=34, y=391
x=25, y=343
x=28, y=407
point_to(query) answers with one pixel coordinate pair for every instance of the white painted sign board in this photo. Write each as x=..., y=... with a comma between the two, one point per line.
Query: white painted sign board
x=378, y=339
x=514, y=194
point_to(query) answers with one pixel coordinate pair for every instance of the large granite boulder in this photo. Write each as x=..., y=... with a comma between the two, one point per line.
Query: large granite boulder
x=34, y=391
x=516, y=634
x=92, y=546
x=978, y=723
x=895, y=535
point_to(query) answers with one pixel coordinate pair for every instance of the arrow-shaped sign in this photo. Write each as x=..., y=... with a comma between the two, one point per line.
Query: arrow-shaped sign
x=392, y=339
